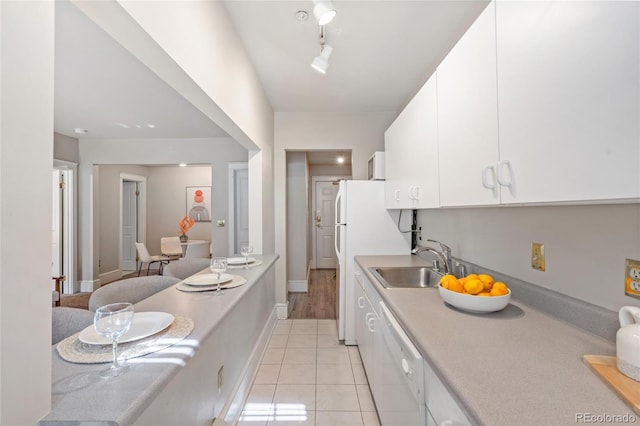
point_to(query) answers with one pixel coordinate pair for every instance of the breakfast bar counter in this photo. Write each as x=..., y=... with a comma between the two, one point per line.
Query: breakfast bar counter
x=517, y=366
x=190, y=382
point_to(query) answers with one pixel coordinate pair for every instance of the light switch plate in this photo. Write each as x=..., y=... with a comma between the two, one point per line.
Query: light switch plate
x=632, y=278
x=537, y=256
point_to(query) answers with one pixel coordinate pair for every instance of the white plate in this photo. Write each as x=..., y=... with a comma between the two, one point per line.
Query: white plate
x=144, y=325
x=239, y=260
x=207, y=279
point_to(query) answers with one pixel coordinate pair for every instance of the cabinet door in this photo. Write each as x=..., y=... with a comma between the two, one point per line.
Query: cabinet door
x=568, y=91
x=411, y=153
x=468, y=117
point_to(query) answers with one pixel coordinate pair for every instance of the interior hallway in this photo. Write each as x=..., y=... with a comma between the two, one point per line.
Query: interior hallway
x=320, y=301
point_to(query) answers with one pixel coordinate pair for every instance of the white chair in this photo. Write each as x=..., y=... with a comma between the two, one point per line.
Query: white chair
x=145, y=257
x=198, y=250
x=185, y=268
x=131, y=290
x=170, y=246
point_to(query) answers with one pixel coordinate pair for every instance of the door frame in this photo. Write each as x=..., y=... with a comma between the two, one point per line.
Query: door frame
x=312, y=231
x=69, y=223
x=141, y=211
x=233, y=167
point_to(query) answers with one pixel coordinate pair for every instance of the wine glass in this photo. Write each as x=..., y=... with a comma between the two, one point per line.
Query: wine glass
x=246, y=251
x=112, y=321
x=218, y=266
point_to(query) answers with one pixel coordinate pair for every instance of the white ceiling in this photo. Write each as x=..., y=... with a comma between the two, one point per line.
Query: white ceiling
x=383, y=51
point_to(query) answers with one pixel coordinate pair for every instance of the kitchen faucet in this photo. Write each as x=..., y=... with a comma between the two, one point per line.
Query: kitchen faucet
x=444, y=254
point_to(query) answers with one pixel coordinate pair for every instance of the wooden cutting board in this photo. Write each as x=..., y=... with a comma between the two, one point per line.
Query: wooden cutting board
x=627, y=388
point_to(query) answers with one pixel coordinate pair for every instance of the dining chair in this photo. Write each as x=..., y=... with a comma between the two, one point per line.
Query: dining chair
x=145, y=257
x=67, y=321
x=184, y=268
x=198, y=250
x=130, y=290
x=170, y=246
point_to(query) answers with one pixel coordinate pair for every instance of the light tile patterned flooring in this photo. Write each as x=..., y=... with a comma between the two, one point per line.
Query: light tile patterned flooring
x=306, y=377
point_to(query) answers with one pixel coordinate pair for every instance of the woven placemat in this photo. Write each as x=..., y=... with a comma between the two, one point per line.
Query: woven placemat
x=73, y=350
x=235, y=282
x=251, y=265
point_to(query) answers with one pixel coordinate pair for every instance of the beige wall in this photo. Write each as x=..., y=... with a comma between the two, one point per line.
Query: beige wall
x=298, y=214
x=65, y=148
x=26, y=161
x=362, y=133
x=585, y=246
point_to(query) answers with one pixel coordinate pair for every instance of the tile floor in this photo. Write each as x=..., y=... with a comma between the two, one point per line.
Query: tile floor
x=306, y=377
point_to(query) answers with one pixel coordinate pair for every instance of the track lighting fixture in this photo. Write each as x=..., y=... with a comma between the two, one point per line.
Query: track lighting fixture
x=321, y=62
x=324, y=11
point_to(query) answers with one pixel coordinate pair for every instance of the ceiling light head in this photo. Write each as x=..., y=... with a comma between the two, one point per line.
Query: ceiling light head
x=182, y=164
x=324, y=11
x=321, y=62
x=340, y=159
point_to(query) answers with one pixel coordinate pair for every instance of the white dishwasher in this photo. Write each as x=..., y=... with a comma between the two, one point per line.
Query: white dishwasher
x=399, y=378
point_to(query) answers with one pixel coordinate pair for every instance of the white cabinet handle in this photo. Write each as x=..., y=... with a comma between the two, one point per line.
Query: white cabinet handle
x=370, y=319
x=361, y=302
x=505, y=178
x=414, y=193
x=485, y=180
x=406, y=368
x=397, y=195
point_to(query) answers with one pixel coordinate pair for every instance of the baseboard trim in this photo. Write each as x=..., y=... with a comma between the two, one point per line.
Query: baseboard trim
x=89, y=285
x=110, y=276
x=299, y=286
x=282, y=310
x=232, y=410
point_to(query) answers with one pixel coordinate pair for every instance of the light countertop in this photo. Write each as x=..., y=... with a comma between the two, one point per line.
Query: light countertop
x=513, y=367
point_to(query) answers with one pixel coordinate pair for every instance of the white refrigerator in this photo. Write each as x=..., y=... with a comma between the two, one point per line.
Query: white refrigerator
x=363, y=227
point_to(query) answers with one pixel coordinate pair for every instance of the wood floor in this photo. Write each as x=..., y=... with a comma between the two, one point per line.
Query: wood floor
x=320, y=301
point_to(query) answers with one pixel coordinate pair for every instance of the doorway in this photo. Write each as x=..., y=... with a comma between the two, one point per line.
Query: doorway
x=323, y=193
x=132, y=219
x=63, y=229
x=238, y=206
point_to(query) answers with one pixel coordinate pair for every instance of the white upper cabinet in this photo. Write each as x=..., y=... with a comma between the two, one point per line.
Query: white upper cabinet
x=468, y=118
x=569, y=99
x=411, y=153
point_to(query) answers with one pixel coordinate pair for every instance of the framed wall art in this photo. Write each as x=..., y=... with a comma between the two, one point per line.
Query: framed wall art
x=199, y=203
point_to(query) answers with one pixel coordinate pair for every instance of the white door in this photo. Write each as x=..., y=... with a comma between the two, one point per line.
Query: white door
x=56, y=226
x=325, y=224
x=242, y=209
x=129, y=225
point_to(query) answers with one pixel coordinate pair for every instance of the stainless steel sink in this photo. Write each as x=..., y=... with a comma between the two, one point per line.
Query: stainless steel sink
x=407, y=277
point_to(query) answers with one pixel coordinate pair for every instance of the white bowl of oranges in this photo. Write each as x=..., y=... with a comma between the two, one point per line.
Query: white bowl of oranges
x=474, y=293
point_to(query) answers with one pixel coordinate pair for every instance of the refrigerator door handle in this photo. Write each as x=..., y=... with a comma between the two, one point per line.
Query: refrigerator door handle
x=335, y=241
x=337, y=209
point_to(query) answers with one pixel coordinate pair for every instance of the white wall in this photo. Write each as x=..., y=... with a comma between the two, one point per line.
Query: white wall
x=217, y=152
x=26, y=162
x=297, y=212
x=585, y=246
x=194, y=48
x=362, y=133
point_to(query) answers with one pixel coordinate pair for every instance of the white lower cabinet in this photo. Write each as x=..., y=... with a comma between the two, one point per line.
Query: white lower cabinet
x=442, y=409
x=404, y=387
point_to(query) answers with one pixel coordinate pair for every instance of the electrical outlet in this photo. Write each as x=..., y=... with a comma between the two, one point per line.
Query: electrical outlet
x=632, y=278
x=220, y=378
x=220, y=223
x=537, y=256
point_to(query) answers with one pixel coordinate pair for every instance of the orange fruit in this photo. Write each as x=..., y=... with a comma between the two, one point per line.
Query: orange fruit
x=471, y=277
x=484, y=293
x=455, y=285
x=487, y=281
x=473, y=286
x=499, y=289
